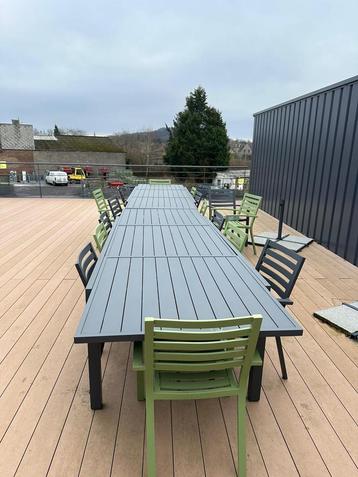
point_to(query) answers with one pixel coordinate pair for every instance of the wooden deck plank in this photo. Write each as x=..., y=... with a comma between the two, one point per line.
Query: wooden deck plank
x=303, y=426
x=98, y=455
x=24, y=422
x=255, y=462
x=128, y=451
x=330, y=447
x=218, y=455
x=28, y=357
x=188, y=458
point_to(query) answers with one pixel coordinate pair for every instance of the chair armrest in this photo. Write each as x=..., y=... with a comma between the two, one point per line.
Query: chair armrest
x=138, y=363
x=226, y=208
x=285, y=301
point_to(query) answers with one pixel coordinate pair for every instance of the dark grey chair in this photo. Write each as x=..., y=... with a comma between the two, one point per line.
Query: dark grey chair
x=106, y=221
x=280, y=267
x=86, y=262
x=218, y=219
x=115, y=207
x=221, y=199
x=197, y=198
x=124, y=193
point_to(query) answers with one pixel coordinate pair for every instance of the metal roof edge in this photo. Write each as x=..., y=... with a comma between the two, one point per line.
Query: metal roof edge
x=353, y=79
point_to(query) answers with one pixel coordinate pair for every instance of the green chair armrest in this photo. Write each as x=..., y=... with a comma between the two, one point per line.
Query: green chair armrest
x=226, y=208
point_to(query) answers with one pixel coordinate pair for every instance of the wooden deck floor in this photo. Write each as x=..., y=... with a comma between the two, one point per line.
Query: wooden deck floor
x=306, y=426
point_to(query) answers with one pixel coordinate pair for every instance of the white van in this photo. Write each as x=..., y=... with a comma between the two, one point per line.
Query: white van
x=56, y=178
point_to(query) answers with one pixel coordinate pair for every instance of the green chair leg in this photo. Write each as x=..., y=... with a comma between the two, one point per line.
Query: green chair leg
x=140, y=386
x=241, y=436
x=252, y=240
x=149, y=409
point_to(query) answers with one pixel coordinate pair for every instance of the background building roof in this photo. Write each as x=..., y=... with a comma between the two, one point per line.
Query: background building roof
x=78, y=143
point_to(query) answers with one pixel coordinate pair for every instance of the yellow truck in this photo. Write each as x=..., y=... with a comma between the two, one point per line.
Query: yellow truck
x=77, y=175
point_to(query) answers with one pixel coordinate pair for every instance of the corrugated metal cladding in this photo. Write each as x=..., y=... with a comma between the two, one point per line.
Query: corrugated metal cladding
x=306, y=152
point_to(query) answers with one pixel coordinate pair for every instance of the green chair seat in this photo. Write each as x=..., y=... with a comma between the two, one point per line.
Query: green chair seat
x=236, y=235
x=211, y=384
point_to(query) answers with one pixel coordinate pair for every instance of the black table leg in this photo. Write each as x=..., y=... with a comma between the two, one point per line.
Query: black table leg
x=255, y=378
x=95, y=374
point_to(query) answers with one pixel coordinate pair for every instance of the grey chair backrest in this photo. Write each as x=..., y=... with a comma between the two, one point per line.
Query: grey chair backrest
x=86, y=262
x=115, y=207
x=222, y=198
x=204, y=189
x=218, y=220
x=280, y=267
x=197, y=198
x=124, y=193
x=106, y=221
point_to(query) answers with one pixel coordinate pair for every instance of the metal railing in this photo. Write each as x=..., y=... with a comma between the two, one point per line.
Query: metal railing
x=24, y=179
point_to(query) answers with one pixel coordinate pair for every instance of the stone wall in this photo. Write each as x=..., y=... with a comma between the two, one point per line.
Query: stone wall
x=16, y=136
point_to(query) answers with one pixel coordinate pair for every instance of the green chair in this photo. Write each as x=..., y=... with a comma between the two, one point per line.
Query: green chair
x=193, y=191
x=100, y=236
x=246, y=214
x=160, y=181
x=204, y=207
x=101, y=201
x=196, y=360
x=236, y=235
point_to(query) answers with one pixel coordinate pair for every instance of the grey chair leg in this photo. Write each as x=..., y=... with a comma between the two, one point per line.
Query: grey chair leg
x=281, y=357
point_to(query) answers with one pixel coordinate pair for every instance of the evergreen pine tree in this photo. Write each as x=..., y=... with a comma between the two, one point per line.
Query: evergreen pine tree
x=198, y=136
x=56, y=131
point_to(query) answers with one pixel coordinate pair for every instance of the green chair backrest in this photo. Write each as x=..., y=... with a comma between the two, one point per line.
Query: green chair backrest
x=250, y=205
x=100, y=201
x=160, y=181
x=193, y=191
x=236, y=234
x=204, y=207
x=200, y=346
x=100, y=236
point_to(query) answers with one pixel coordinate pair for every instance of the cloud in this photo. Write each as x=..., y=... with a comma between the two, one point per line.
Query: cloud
x=121, y=65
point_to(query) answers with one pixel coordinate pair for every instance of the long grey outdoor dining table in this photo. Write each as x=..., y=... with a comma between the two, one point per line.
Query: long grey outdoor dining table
x=170, y=270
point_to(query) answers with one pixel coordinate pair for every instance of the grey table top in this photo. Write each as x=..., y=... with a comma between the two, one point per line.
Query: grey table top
x=172, y=270
x=131, y=288
x=160, y=191
x=161, y=217
x=160, y=203
x=167, y=241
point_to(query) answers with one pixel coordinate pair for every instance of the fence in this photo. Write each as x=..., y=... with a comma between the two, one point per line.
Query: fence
x=26, y=180
x=306, y=152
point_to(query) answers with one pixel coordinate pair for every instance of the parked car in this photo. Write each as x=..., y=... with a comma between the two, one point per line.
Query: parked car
x=56, y=178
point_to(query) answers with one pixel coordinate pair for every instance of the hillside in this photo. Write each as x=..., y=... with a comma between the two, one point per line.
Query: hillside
x=148, y=147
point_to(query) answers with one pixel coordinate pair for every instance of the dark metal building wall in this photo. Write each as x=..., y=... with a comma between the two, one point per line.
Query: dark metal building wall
x=306, y=152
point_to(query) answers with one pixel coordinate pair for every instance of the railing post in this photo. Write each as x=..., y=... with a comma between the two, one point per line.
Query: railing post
x=39, y=180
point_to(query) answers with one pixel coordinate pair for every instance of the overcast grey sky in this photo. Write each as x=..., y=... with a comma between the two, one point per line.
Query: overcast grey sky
x=127, y=65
